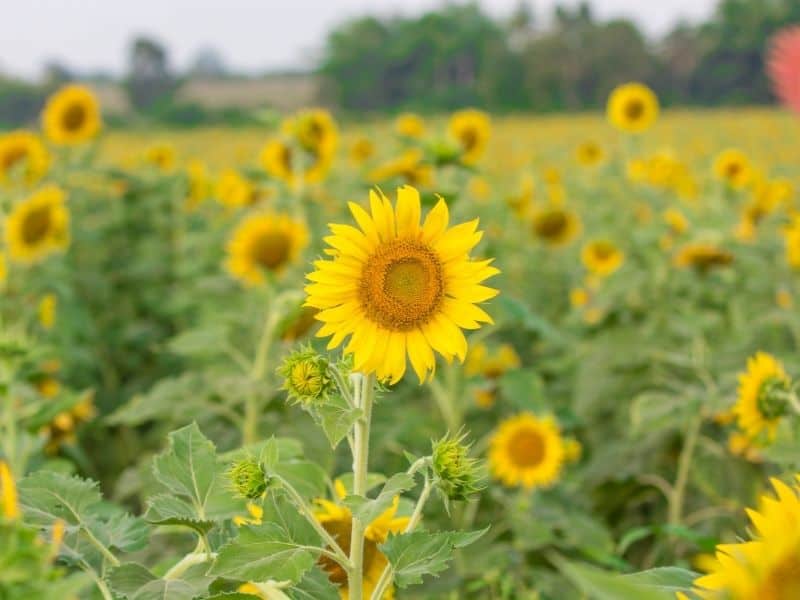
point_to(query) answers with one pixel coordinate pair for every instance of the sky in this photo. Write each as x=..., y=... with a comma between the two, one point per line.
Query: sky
x=251, y=35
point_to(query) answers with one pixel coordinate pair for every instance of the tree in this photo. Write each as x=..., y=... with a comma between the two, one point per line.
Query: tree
x=149, y=79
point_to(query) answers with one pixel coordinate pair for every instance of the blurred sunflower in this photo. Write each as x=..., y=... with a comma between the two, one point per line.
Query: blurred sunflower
x=22, y=155
x=38, y=226
x=198, y=184
x=702, y=256
x=761, y=400
x=471, y=128
x=791, y=240
x=47, y=311
x=491, y=365
x=527, y=451
x=161, y=155
x=234, y=190
x=63, y=428
x=589, y=154
x=556, y=226
x=286, y=163
x=733, y=168
x=602, y=257
x=409, y=125
x=3, y=268
x=361, y=150
x=71, y=115
x=766, y=567
x=632, y=107
x=337, y=520
x=264, y=242
x=315, y=131
x=399, y=289
x=9, y=502
x=676, y=220
x=408, y=167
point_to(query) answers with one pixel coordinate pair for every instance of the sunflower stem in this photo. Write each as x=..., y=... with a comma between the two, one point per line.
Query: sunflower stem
x=363, y=397
x=684, y=465
x=251, y=402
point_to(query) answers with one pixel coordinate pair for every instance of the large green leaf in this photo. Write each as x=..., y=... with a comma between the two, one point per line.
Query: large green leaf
x=604, y=585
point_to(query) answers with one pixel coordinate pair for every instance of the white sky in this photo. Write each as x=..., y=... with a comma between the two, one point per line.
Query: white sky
x=251, y=35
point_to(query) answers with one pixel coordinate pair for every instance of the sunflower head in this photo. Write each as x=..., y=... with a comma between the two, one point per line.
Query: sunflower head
x=248, y=478
x=602, y=257
x=233, y=190
x=491, y=364
x=23, y=157
x=409, y=125
x=361, y=150
x=47, y=311
x=277, y=159
x=633, y=108
x=198, y=184
x=702, y=256
x=471, y=129
x=38, y=226
x=399, y=289
x=314, y=130
x=732, y=167
x=264, y=243
x=162, y=156
x=762, y=396
x=409, y=168
x=589, y=154
x=71, y=115
x=306, y=376
x=527, y=451
x=676, y=221
x=555, y=226
x=458, y=476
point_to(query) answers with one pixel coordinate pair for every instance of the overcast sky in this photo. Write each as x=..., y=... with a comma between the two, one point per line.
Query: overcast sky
x=251, y=35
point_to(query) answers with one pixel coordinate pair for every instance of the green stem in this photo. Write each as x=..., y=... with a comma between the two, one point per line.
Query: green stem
x=364, y=395
x=251, y=402
x=682, y=478
x=445, y=402
x=188, y=561
x=101, y=547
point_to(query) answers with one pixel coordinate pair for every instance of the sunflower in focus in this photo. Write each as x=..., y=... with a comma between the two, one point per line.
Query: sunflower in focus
x=408, y=167
x=602, y=257
x=527, y=451
x=556, y=226
x=632, y=107
x=589, y=154
x=262, y=243
x=409, y=125
x=471, y=129
x=71, y=115
x=161, y=155
x=733, y=168
x=766, y=567
x=702, y=256
x=23, y=156
x=234, y=190
x=399, y=289
x=338, y=522
x=38, y=226
x=762, y=395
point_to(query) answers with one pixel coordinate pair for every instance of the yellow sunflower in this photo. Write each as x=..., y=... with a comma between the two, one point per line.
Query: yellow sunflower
x=234, y=190
x=602, y=257
x=23, y=156
x=198, y=184
x=71, y=115
x=410, y=125
x=676, y=220
x=766, y=567
x=284, y=162
x=761, y=399
x=527, y=451
x=9, y=504
x=38, y=226
x=3, y=268
x=733, y=167
x=47, y=311
x=408, y=167
x=361, y=150
x=632, y=107
x=702, y=256
x=264, y=242
x=315, y=131
x=471, y=128
x=338, y=522
x=589, y=154
x=556, y=226
x=397, y=288
x=791, y=239
x=491, y=364
x=161, y=155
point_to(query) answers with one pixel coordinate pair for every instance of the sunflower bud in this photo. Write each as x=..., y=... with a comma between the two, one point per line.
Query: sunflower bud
x=458, y=475
x=772, y=398
x=306, y=376
x=248, y=478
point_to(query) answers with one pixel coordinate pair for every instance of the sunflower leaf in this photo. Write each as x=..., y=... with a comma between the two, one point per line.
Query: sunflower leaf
x=367, y=510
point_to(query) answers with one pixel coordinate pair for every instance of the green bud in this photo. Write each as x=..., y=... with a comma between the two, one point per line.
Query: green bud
x=248, y=478
x=772, y=398
x=306, y=376
x=458, y=475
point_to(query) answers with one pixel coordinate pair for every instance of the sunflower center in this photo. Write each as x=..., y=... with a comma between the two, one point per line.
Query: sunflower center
x=469, y=138
x=340, y=531
x=401, y=285
x=13, y=156
x=603, y=251
x=783, y=581
x=551, y=224
x=634, y=109
x=74, y=117
x=732, y=170
x=526, y=448
x=36, y=225
x=286, y=158
x=271, y=250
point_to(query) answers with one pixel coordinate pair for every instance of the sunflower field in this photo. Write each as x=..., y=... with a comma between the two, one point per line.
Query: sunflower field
x=453, y=357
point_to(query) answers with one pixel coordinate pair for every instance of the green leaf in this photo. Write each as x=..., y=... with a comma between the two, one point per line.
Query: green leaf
x=335, y=416
x=164, y=509
x=670, y=579
x=277, y=549
x=163, y=589
x=128, y=578
x=306, y=477
x=201, y=342
x=423, y=553
x=603, y=585
x=367, y=510
x=315, y=585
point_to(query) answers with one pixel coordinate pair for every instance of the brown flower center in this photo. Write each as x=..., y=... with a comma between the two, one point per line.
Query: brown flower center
x=469, y=138
x=603, y=251
x=634, y=109
x=36, y=225
x=13, y=156
x=271, y=250
x=340, y=531
x=551, y=224
x=526, y=448
x=401, y=285
x=783, y=582
x=74, y=117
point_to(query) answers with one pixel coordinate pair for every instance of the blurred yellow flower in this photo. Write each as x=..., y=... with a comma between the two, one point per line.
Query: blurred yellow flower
x=602, y=257
x=47, y=311
x=234, y=190
x=408, y=167
x=199, y=184
x=702, y=256
x=589, y=154
x=491, y=364
x=410, y=125
x=361, y=150
x=676, y=220
x=632, y=108
x=761, y=400
x=9, y=504
x=471, y=128
x=71, y=115
x=556, y=226
x=23, y=157
x=733, y=168
x=38, y=226
x=161, y=155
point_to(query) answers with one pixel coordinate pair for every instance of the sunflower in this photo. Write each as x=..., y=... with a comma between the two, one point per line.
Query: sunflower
x=589, y=154
x=22, y=155
x=398, y=288
x=161, y=156
x=761, y=399
x=471, y=128
x=315, y=131
x=38, y=226
x=287, y=163
x=409, y=125
x=556, y=226
x=9, y=503
x=702, y=256
x=47, y=311
x=791, y=239
x=408, y=167
x=676, y=220
x=766, y=567
x=3, y=268
x=632, y=107
x=527, y=451
x=338, y=522
x=491, y=365
x=733, y=167
x=198, y=184
x=602, y=257
x=234, y=190
x=361, y=150
x=264, y=242
x=71, y=115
